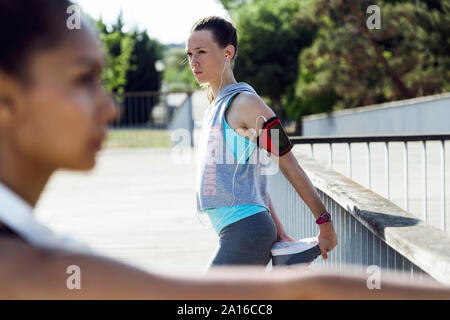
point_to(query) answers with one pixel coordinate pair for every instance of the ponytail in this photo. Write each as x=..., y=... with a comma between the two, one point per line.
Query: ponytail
x=209, y=93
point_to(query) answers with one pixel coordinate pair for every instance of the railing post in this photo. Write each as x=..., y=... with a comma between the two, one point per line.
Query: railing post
x=425, y=213
x=331, y=155
x=349, y=160
x=443, y=221
x=388, y=191
x=369, y=178
x=406, y=200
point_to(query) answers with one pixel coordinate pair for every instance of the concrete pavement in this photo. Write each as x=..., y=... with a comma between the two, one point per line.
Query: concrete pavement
x=137, y=205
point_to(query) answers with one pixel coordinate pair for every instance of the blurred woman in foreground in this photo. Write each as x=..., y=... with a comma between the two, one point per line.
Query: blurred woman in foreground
x=53, y=115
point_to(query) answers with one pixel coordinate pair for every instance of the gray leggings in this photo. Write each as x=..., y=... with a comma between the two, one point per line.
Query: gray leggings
x=247, y=241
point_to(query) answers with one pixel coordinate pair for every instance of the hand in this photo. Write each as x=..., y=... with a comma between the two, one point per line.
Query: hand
x=285, y=238
x=327, y=239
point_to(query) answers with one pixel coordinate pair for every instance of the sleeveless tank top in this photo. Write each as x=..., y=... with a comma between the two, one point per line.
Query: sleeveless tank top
x=250, y=184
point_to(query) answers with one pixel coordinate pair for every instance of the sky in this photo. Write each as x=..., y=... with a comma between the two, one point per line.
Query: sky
x=168, y=21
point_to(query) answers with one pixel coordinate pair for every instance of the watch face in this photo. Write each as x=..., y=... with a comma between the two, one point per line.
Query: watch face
x=325, y=217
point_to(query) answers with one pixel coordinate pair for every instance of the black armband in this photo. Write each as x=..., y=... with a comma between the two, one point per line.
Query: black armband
x=273, y=138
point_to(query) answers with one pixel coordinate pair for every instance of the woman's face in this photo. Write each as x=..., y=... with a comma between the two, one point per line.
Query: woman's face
x=60, y=119
x=206, y=59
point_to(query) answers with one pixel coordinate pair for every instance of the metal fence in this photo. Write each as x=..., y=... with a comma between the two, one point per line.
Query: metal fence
x=357, y=245
x=371, y=230
x=387, y=141
x=148, y=109
x=145, y=117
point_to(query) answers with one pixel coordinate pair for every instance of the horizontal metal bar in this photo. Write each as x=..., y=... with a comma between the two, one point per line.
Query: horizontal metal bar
x=376, y=138
x=153, y=93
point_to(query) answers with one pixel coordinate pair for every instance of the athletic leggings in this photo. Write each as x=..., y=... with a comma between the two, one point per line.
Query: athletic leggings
x=247, y=241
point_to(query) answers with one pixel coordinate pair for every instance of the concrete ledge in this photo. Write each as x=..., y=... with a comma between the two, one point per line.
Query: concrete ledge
x=424, y=245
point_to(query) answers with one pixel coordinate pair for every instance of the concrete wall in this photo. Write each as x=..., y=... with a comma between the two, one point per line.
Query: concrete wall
x=424, y=115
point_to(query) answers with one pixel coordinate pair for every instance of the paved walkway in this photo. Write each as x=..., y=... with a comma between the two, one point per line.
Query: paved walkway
x=137, y=205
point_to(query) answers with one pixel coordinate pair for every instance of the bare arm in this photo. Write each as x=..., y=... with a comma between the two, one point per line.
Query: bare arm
x=30, y=273
x=291, y=169
x=250, y=109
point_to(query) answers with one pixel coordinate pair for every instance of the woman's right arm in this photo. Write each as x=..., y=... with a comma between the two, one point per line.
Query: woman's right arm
x=30, y=273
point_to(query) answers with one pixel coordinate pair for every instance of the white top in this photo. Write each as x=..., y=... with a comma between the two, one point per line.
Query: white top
x=18, y=216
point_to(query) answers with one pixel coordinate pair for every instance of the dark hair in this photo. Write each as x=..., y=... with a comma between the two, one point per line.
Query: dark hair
x=224, y=33
x=27, y=26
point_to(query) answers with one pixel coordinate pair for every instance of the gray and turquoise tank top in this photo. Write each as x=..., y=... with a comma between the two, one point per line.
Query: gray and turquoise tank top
x=223, y=153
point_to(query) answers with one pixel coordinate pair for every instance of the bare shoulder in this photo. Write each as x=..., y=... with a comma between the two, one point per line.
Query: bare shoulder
x=252, y=108
x=15, y=252
x=247, y=101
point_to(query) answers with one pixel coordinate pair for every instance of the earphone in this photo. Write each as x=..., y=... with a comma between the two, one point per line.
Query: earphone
x=224, y=66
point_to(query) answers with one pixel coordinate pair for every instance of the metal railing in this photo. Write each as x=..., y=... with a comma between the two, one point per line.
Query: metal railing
x=148, y=109
x=371, y=230
x=386, y=140
x=145, y=117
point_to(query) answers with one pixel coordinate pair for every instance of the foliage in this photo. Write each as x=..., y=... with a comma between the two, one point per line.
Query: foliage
x=142, y=75
x=118, y=47
x=130, y=59
x=271, y=36
x=310, y=56
x=406, y=58
x=178, y=74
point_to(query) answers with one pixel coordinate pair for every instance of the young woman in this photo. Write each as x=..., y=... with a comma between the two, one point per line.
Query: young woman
x=234, y=194
x=53, y=115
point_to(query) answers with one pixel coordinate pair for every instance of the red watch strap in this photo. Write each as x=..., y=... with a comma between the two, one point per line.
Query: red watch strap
x=324, y=217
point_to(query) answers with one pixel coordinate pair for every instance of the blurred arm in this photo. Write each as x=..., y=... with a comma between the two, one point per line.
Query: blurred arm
x=30, y=273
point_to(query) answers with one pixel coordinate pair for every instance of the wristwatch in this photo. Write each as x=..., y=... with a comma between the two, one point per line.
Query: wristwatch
x=324, y=217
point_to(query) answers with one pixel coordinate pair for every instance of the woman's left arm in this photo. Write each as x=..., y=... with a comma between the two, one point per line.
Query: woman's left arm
x=291, y=169
x=251, y=109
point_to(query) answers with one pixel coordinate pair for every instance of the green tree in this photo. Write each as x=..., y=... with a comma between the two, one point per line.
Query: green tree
x=130, y=59
x=271, y=36
x=130, y=66
x=349, y=65
x=118, y=47
x=177, y=73
x=142, y=74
